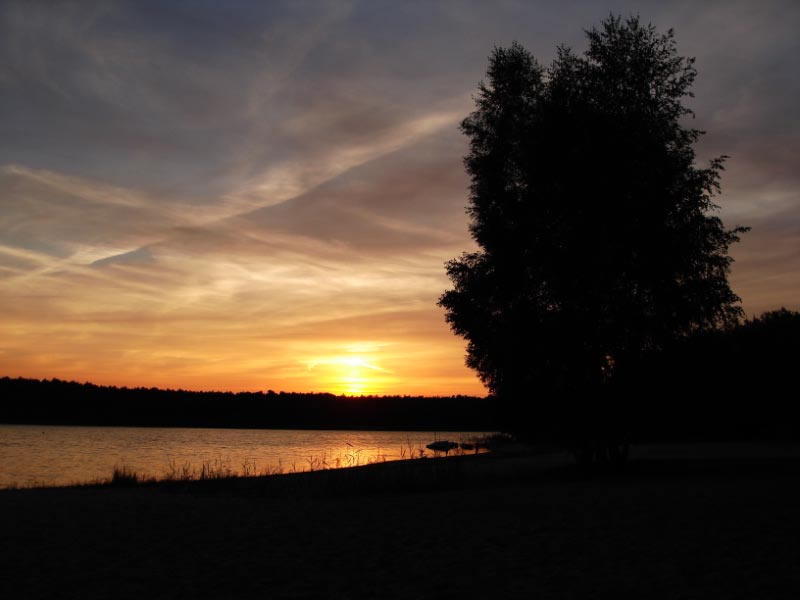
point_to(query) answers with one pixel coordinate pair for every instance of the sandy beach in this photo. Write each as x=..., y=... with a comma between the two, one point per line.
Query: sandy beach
x=675, y=524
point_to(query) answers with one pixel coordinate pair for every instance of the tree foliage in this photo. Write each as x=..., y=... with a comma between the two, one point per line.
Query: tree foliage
x=596, y=233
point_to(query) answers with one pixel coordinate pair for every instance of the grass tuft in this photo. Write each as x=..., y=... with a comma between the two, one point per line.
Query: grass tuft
x=125, y=477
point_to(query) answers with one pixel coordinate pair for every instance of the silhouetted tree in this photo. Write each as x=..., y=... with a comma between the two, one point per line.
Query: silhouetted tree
x=595, y=240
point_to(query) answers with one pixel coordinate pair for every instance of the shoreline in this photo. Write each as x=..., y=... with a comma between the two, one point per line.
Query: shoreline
x=502, y=526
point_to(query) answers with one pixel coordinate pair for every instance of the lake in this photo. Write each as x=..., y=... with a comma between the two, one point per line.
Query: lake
x=58, y=455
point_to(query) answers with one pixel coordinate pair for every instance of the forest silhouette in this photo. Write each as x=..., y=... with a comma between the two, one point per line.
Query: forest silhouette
x=58, y=402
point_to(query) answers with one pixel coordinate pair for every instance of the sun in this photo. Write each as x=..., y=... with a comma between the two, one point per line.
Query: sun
x=351, y=375
x=357, y=376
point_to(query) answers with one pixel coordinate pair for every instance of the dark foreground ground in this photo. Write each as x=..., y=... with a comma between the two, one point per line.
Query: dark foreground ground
x=721, y=526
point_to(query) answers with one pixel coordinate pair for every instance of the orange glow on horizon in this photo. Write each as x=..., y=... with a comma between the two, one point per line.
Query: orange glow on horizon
x=425, y=360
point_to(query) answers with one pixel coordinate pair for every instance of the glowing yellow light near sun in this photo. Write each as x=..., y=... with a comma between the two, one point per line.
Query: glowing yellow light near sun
x=355, y=375
x=349, y=375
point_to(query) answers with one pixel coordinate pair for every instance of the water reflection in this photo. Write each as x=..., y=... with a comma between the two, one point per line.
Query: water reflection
x=50, y=455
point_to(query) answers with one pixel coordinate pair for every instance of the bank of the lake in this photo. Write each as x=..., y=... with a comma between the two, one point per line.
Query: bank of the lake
x=677, y=524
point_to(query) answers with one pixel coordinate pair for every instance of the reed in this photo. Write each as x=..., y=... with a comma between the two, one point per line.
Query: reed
x=124, y=476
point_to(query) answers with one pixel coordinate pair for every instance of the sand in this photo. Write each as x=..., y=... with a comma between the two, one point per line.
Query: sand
x=484, y=527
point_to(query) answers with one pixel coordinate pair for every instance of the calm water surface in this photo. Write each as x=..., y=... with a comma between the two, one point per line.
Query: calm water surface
x=54, y=455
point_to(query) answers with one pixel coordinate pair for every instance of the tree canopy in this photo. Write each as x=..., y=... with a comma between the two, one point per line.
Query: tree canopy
x=595, y=227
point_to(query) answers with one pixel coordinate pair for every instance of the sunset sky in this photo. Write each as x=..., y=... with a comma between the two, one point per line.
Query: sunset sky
x=261, y=195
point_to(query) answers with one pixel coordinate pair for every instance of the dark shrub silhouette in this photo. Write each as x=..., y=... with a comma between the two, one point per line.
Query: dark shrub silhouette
x=737, y=383
x=596, y=242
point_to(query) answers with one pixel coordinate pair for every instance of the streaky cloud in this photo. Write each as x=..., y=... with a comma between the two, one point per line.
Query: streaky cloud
x=139, y=255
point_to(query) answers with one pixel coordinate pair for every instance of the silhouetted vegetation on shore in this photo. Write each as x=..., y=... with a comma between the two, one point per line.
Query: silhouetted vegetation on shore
x=733, y=383
x=58, y=402
x=595, y=238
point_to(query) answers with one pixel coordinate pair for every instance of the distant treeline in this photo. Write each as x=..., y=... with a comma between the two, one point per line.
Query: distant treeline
x=58, y=402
